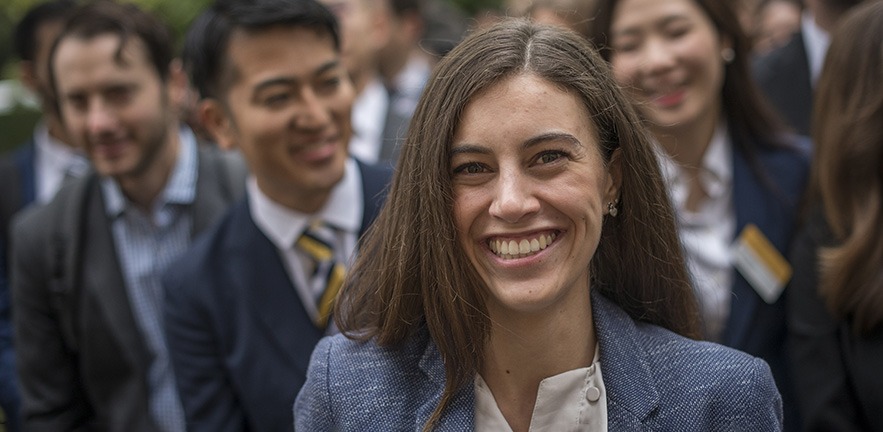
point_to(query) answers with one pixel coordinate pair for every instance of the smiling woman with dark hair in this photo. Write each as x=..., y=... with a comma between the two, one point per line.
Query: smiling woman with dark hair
x=526, y=271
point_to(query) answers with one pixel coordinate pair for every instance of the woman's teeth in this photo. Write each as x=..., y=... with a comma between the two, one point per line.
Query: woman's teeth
x=511, y=249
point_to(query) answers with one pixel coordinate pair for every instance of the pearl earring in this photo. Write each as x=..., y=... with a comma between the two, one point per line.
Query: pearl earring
x=728, y=55
x=611, y=208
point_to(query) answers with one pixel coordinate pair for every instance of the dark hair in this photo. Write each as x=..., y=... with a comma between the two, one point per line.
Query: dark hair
x=399, y=287
x=402, y=7
x=126, y=21
x=206, y=43
x=25, y=36
x=847, y=171
x=742, y=101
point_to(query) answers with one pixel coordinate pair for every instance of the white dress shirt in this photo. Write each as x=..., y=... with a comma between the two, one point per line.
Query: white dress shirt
x=54, y=161
x=816, y=41
x=283, y=226
x=707, y=233
x=369, y=119
x=575, y=400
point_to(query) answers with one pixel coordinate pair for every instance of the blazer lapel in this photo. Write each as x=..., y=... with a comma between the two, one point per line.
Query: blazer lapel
x=750, y=198
x=261, y=275
x=106, y=280
x=631, y=389
x=216, y=187
x=459, y=415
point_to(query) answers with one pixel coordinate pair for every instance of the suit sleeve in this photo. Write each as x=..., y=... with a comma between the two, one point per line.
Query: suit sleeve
x=52, y=396
x=823, y=393
x=312, y=408
x=763, y=407
x=9, y=399
x=207, y=395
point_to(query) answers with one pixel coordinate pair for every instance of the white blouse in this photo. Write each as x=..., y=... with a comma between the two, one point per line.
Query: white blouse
x=571, y=401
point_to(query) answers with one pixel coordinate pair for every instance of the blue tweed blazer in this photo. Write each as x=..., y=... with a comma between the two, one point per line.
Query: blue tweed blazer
x=655, y=381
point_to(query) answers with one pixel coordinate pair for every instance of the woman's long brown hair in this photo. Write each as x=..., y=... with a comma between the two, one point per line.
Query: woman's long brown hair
x=412, y=275
x=847, y=172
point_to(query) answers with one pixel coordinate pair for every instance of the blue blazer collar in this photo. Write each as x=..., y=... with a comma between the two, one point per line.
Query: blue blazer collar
x=631, y=388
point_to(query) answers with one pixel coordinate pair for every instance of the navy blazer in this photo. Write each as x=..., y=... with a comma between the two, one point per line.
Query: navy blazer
x=17, y=190
x=655, y=381
x=783, y=76
x=770, y=201
x=239, y=337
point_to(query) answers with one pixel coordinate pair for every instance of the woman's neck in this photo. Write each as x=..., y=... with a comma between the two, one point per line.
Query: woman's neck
x=686, y=144
x=524, y=351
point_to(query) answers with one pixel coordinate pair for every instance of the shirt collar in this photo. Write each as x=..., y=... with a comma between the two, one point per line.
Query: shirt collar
x=816, y=41
x=716, y=166
x=283, y=225
x=180, y=189
x=57, y=155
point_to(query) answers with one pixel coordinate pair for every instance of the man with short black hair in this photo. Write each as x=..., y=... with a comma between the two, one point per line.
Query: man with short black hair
x=250, y=300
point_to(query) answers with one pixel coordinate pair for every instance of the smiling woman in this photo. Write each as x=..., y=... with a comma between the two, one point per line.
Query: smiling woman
x=733, y=171
x=525, y=272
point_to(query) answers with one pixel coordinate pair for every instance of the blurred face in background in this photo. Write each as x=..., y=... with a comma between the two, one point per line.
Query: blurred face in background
x=364, y=31
x=288, y=112
x=117, y=109
x=668, y=55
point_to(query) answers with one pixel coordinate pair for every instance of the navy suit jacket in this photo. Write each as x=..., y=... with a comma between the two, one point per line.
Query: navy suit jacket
x=17, y=190
x=239, y=337
x=783, y=76
x=655, y=381
x=770, y=201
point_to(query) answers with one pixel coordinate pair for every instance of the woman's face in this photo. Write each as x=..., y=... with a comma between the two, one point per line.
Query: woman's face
x=530, y=192
x=667, y=53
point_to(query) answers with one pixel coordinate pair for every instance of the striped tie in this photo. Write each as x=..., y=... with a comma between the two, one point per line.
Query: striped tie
x=328, y=274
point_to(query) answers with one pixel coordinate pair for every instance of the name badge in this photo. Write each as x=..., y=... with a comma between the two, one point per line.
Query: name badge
x=760, y=263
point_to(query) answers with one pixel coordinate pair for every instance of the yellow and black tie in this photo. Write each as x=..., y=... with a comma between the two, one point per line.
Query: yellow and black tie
x=328, y=273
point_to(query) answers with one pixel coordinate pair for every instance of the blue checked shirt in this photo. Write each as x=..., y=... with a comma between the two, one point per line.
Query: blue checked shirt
x=146, y=244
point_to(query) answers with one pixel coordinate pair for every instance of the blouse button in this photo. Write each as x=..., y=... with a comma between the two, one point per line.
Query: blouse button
x=593, y=394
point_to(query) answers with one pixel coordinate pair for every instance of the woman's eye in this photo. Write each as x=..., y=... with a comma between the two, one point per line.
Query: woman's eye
x=469, y=168
x=549, y=157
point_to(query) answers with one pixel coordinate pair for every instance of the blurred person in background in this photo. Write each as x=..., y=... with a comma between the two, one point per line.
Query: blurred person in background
x=574, y=15
x=365, y=30
x=405, y=66
x=787, y=75
x=89, y=346
x=835, y=307
x=776, y=22
x=35, y=171
x=734, y=175
x=246, y=305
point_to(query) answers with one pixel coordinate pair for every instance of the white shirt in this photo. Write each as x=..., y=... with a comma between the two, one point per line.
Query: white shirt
x=283, y=226
x=708, y=233
x=369, y=119
x=409, y=84
x=54, y=160
x=816, y=41
x=575, y=400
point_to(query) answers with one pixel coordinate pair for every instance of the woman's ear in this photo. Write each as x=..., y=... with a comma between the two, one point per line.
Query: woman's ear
x=215, y=119
x=614, y=176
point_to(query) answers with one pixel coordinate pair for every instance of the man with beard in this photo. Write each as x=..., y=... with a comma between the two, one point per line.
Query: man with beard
x=85, y=268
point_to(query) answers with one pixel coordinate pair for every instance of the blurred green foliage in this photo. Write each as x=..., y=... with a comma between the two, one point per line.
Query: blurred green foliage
x=473, y=7
x=177, y=13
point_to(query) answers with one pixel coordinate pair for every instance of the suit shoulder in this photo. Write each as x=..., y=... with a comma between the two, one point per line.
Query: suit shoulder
x=38, y=218
x=203, y=259
x=779, y=63
x=727, y=383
